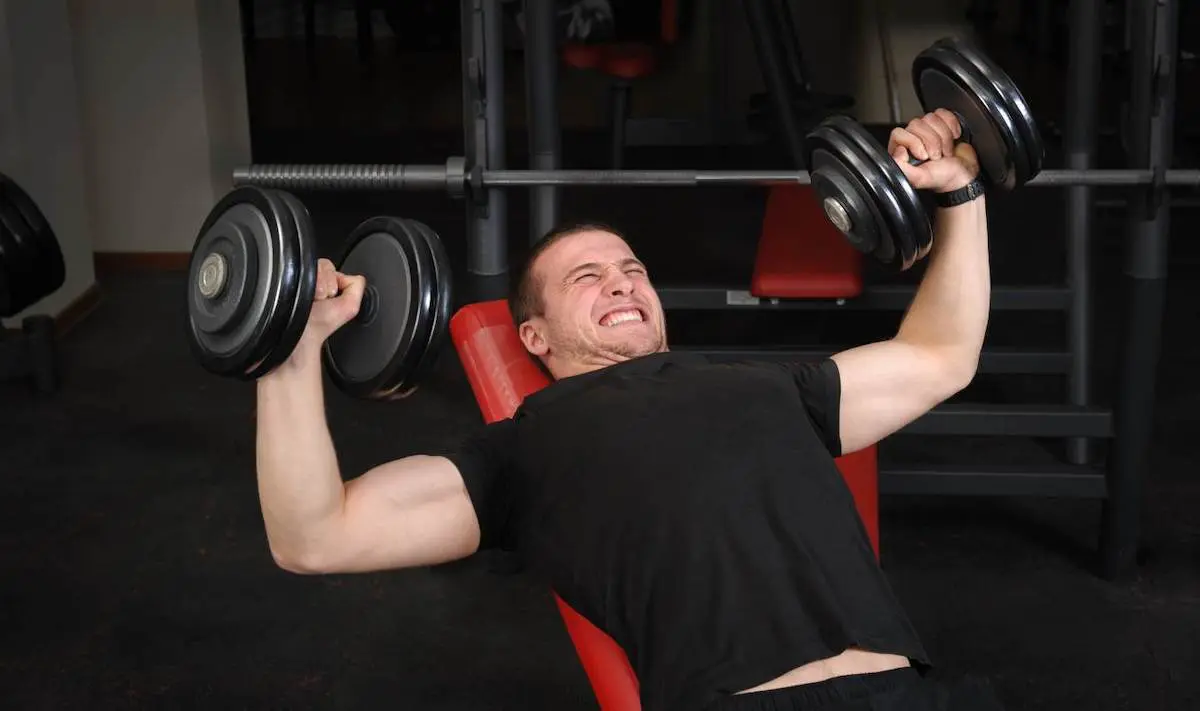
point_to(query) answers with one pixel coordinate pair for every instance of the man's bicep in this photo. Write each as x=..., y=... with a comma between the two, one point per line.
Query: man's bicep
x=410, y=512
x=884, y=387
x=425, y=510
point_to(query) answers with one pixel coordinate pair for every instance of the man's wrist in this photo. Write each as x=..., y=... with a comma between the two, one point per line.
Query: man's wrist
x=962, y=179
x=968, y=192
x=303, y=361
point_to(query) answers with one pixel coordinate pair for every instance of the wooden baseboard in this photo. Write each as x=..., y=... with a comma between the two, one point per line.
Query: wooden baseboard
x=68, y=318
x=110, y=262
x=76, y=311
x=113, y=262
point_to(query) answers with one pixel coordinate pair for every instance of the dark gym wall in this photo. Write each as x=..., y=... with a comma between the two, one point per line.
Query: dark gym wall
x=840, y=41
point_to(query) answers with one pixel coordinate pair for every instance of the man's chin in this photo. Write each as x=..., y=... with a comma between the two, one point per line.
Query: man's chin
x=636, y=348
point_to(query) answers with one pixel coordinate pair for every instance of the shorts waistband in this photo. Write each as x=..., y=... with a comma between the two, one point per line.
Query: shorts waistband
x=837, y=689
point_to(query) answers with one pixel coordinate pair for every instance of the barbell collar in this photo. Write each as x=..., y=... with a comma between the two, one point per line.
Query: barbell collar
x=456, y=176
x=447, y=177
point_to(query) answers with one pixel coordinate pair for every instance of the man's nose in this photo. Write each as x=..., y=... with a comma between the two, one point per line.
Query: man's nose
x=619, y=284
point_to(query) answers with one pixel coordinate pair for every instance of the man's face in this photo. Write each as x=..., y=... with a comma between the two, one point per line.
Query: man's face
x=599, y=305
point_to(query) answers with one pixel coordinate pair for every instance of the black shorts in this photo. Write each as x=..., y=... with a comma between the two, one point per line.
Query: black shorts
x=897, y=690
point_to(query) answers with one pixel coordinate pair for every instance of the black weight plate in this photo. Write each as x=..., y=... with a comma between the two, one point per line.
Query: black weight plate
x=236, y=310
x=297, y=302
x=272, y=350
x=49, y=258
x=9, y=298
x=847, y=202
x=443, y=305
x=880, y=211
x=269, y=352
x=944, y=78
x=372, y=358
x=15, y=238
x=914, y=232
x=6, y=302
x=1022, y=113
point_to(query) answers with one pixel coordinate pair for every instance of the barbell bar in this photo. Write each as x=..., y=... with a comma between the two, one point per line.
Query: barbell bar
x=455, y=178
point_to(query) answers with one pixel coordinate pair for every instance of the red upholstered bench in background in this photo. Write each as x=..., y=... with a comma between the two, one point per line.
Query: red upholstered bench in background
x=801, y=255
x=501, y=374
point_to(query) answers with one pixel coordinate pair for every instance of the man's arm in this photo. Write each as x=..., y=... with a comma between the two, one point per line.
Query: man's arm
x=410, y=512
x=935, y=353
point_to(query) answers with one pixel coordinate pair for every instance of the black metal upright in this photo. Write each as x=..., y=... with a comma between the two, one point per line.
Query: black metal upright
x=1153, y=35
x=1083, y=103
x=764, y=25
x=483, y=144
x=541, y=114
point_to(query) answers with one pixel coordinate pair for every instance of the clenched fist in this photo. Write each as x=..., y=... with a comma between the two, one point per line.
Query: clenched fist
x=931, y=138
x=337, y=300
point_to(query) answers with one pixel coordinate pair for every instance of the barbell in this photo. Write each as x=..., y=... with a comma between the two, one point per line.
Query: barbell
x=353, y=177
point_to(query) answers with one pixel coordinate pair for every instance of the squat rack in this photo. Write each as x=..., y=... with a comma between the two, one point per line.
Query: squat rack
x=1151, y=113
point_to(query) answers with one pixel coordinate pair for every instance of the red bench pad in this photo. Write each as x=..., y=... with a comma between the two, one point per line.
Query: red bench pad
x=801, y=255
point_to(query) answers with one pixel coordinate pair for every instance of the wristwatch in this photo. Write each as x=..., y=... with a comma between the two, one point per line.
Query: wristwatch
x=965, y=194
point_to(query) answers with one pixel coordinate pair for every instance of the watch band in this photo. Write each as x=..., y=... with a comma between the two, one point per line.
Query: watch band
x=965, y=194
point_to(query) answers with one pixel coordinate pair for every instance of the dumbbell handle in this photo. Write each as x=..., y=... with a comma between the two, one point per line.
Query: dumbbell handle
x=369, y=305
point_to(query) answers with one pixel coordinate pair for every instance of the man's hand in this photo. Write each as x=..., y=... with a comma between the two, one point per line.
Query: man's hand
x=932, y=138
x=337, y=300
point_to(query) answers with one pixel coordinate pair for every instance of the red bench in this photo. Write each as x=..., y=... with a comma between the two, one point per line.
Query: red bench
x=801, y=255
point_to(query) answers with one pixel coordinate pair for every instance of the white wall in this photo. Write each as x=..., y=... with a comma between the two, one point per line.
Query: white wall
x=909, y=26
x=225, y=100
x=164, y=106
x=123, y=119
x=41, y=138
x=843, y=49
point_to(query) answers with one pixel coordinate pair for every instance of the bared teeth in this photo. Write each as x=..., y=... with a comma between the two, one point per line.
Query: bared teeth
x=620, y=317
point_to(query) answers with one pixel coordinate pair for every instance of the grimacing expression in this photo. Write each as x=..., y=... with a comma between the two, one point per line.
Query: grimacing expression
x=599, y=306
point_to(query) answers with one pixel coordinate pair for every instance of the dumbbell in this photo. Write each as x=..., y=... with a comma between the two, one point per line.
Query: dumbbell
x=865, y=194
x=252, y=281
x=31, y=260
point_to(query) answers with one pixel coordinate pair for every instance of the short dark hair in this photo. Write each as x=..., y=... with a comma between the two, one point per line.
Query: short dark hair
x=525, y=294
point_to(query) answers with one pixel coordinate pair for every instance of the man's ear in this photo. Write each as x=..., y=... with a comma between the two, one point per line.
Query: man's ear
x=531, y=336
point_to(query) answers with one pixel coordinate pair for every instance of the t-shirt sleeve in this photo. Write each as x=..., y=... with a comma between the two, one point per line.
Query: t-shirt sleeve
x=484, y=462
x=820, y=387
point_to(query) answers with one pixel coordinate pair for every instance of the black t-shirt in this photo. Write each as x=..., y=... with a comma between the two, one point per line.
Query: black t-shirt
x=694, y=512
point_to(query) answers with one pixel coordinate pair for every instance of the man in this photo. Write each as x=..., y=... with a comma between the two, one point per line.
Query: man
x=692, y=510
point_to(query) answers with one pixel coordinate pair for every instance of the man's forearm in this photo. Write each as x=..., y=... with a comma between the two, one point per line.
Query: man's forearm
x=300, y=486
x=949, y=313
